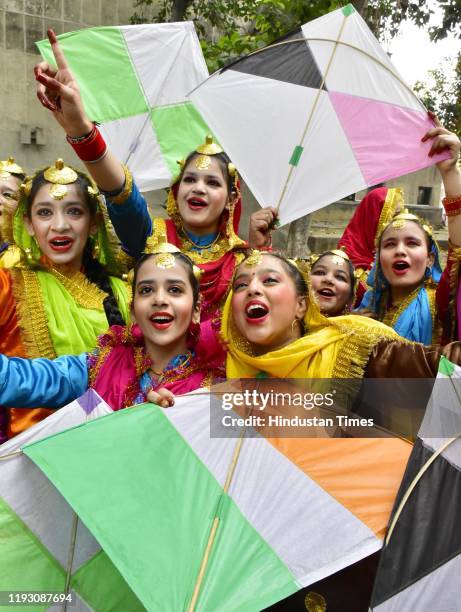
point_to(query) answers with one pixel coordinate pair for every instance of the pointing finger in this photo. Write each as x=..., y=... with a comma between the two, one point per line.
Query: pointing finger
x=58, y=53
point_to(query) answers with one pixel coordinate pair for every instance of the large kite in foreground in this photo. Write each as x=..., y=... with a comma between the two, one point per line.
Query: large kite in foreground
x=134, y=81
x=420, y=564
x=320, y=114
x=190, y=522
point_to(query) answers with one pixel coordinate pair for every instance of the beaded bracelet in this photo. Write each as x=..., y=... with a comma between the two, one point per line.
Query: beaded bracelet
x=452, y=206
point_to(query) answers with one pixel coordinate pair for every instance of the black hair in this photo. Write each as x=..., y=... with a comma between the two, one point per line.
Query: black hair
x=350, y=267
x=94, y=271
x=186, y=262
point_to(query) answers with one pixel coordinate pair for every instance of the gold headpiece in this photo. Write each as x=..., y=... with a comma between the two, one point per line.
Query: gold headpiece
x=9, y=167
x=209, y=147
x=59, y=174
x=254, y=259
x=399, y=221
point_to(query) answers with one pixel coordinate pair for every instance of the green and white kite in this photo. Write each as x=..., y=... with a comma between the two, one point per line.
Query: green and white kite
x=134, y=81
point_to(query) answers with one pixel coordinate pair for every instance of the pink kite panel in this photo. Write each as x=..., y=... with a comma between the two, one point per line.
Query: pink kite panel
x=383, y=137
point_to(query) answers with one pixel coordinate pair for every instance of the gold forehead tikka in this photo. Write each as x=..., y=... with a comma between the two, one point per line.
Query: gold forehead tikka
x=203, y=162
x=254, y=259
x=58, y=192
x=339, y=256
x=164, y=260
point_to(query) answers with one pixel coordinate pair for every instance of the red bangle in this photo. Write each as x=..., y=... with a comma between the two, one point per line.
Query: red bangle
x=452, y=206
x=90, y=148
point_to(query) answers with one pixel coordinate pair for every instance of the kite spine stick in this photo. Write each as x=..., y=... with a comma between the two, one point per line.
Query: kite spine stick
x=215, y=525
x=70, y=559
x=314, y=106
x=413, y=484
x=10, y=455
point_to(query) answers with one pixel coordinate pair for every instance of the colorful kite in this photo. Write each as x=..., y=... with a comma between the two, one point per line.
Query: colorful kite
x=44, y=547
x=320, y=114
x=199, y=523
x=134, y=81
x=421, y=563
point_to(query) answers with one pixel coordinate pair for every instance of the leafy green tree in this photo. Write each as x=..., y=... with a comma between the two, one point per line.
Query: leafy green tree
x=443, y=95
x=231, y=28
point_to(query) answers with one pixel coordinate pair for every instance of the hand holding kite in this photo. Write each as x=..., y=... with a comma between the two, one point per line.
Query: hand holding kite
x=261, y=224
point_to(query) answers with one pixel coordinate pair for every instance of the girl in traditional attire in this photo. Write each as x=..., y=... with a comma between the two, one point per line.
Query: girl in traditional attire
x=404, y=280
x=204, y=203
x=270, y=327
x=361, y=235
x=164, y=352
x=11, y=177
x=333, y=282
x=59, y=278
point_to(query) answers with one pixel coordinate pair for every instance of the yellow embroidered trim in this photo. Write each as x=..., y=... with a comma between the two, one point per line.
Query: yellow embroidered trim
x=35, y=334
x=392, y=314
x=436, y=327
x=355, y=350
x=84, y=292
x=394, y=198
x=122, y=197
x=158, y=230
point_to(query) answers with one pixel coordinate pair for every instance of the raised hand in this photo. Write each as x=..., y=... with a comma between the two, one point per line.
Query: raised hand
x=443, y=140
x=58, y=91
x=261, y=224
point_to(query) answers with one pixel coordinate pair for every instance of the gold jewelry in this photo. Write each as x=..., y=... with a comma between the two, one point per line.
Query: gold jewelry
x=400, y=220
x=9, y=167
x=58, y=192
x=203, y=162
x=164, y=260
x=209, y=147
x=254, y=259
x=60, y=174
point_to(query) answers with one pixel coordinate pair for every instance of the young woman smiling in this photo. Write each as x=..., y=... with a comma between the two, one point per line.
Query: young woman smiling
x=58, y=278
x=332, y=282
x=156, y=357
x=271, y=327
x=404, y=280
x=204, y=203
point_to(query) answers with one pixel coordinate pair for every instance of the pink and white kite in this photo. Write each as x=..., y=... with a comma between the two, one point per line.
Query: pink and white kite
x=320, y=114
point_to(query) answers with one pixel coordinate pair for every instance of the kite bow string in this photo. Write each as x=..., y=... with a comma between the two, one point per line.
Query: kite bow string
x=419, y=475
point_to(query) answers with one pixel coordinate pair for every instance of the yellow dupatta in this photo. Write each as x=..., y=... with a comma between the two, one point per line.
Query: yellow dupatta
x=333, y=347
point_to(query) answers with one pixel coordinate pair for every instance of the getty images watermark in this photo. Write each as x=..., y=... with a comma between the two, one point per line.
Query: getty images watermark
x=284, y=408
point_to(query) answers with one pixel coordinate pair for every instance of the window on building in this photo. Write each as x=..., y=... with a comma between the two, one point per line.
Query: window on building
x=424, y=196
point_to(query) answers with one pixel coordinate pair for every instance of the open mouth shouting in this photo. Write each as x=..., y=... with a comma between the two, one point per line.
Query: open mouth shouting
x=196, y=203
x=61, y=244
x=161, y=320
x=326, y=293
x=400, y=267
x=256, y=312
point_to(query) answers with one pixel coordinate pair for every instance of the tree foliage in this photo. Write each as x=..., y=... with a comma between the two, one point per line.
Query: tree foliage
x=231, y=28
x=443, y=95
